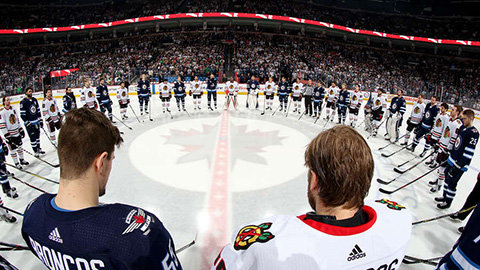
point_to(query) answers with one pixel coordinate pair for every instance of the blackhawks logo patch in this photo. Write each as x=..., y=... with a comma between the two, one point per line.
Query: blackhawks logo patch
x=251, y=234
x=391, y=204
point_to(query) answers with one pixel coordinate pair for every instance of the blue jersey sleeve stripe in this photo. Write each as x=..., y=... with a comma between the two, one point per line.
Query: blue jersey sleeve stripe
x=469, y=149
x=462, y=260
x=467, y=156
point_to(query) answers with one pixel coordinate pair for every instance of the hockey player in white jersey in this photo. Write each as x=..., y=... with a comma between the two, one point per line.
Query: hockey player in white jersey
x=197, y=91
x=13, y=132
x=355, y=104
x=378, y=108
x=437, y=130
x=88, y=95
x=165, y=94
x=269, y=93
x=415, y=118
x=297, y=92
x=231, y=92
x=445, y=145
x=342, y=231
x=123, y=100
x=332, y=96
x=52, y=116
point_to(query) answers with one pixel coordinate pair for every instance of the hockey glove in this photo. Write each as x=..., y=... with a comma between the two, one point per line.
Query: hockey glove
x=5, y=148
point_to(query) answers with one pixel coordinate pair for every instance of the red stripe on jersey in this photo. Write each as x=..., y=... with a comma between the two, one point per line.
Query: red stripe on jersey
x=342, y=231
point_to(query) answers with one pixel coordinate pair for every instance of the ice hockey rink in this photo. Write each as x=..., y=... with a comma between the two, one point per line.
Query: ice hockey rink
x=207, y=173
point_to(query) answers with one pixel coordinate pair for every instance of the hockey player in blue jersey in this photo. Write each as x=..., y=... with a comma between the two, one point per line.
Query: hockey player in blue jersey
x=71, y=230
x=465, y=254
x=318, y=96
x=211, y=91
x=104, y=100
x=69, y=100
x=431, y=111
x=459, y=159
x=143, y=92
x=282, y=92
x=343, y=102
x=253, y=86
x=179, y=91
x=30, y=114
x=397, y=109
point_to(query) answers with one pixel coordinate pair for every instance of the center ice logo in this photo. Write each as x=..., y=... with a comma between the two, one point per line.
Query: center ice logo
x=251, y=234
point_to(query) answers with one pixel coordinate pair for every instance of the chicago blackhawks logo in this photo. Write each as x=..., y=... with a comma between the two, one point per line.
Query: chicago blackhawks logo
x=124, y=94
x=296, y=87
x=269, y=87
x=12, y=119
x=354, y=98
x=196, y=85
x=331, y=92
x=438, y=123
x=377, y=102
x=165, y=87
x=446, y=134
x=416, y=110
x=391, y=204
x=52, y=108
x=231, y=86
x=251, y=234
x=90, y=94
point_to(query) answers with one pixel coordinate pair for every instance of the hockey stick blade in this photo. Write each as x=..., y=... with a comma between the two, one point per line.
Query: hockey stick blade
x=385, y=191
x=400, y=171
x=385, y=155
x=412, y=260
x=11, y=210
x=443, y=216
x=385, y=182
x=187, y=245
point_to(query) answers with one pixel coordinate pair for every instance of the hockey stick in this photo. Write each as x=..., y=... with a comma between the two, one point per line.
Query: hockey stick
x=150, y=109
x=407, y=184
x=320, y=112
x=301, y=115
x=361, y=123
x=185, y=110
x=171, y=116
x=277, y=109
x=443, y=216
x=381, y=148
x=397, y=170
x=25, y=183
x=393, y=153
x=404, y=163
x=6, y=265
x=42, y=160
x=134, y=112
x=226, y=105
x=122, y=122
x=264, y=102
x=412, y=260
x=13, y=246
x=288, y=106
x=36, y=175
x=11, y=210
x=48, y=137
x=328, y=119
x=187, y=245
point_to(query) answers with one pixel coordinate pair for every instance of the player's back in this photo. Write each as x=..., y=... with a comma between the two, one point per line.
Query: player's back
x=288, y=242
x=114, y=236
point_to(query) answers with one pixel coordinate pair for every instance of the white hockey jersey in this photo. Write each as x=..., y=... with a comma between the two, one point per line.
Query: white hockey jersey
x=286, y=242
x=231, y=88
x=165, y=90
x=356, y=100
x=9, y=122
x=196, y=88
x=379, y=102
x=297, y=89
x=269, y=88
x=417, y=113
x=122, y=95
x=50, y=110
x=439, y=125
x=87, y=97
x=450, y=133
x=332, y=93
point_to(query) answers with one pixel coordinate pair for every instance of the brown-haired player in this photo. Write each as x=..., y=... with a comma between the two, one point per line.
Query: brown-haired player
x=73, y=227
x=342, y=231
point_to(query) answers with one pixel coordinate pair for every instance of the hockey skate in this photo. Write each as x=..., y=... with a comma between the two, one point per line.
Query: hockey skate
x=423, y=153
x=434, y=189
x=24, y=162
x=12, y=193
x=433, y=182
x=8, y=218
x=18, y=166
x=41, y=152
x=404, y=144
x=439, y=199
x=461, y=229
x=443, y=205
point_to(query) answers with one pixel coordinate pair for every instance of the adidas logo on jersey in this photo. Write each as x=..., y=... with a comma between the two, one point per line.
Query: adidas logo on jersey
x=55, y=236
x=357, y=253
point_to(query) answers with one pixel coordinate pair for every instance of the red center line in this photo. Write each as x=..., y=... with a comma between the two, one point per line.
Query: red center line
x=216, y=237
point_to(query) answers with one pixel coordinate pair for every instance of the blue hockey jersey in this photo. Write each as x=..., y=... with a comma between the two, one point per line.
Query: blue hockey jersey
x=113, y=236
x=318, y=94
x=69, y=102
x=343, y=98
x=143, y=88
x=465, y=253
x=30, y=111
x=253, y=85
x=429, y=116
x=398, y=105
x=283, y=88
x=102, y=94
x=462, y=153
x=179, y=89
x=211, y=84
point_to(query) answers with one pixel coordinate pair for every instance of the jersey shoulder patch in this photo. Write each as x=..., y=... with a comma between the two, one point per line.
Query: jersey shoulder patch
x=391, y=204
x=251, y=234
